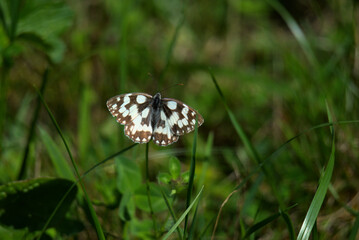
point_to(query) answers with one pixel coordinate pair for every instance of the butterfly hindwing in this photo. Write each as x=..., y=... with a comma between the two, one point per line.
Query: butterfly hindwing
x=162, y=134
x=181, y=117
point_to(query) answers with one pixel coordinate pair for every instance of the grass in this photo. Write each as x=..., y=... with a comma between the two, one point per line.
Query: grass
x=276, y=83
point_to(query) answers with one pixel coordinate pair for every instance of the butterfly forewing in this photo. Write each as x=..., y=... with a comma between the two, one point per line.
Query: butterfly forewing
x=134, y=111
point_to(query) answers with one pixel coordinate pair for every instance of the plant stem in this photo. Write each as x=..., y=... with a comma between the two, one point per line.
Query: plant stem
x=148, y=193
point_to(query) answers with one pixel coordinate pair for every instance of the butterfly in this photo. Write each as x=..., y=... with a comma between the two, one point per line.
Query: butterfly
x=149, y=117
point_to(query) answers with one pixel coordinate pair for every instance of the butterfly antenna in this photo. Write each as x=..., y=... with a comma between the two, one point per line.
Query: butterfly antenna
x=173, y=85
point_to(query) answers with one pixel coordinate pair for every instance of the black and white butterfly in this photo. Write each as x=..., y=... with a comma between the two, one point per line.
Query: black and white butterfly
x=146, y=117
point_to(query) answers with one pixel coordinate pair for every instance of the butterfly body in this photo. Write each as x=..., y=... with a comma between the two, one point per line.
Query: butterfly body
x=146, y=117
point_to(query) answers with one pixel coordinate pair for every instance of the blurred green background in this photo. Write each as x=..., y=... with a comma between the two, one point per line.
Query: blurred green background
x=284, y=67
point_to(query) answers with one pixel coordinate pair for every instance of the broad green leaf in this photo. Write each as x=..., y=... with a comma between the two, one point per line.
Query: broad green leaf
x=128, y=175
x=164, y=178
x=157, y=201
x=141, y=229
x=28, y=204
x=127, y=207
x=47, y=20
x=174, y=167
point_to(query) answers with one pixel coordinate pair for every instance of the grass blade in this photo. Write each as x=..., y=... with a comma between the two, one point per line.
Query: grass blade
x=289, y=223
x=179, y=232
x=354, y=230
x=99, y=231
x=313, y=211
x=171, y=47
x=247, y=144
x=296, y=30
x=58, y=160
x=31, y=135
x=261, y=224
x=173, y=228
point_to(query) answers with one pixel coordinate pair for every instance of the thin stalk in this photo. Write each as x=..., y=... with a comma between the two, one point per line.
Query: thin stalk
x=22, y=173
x=148, y=192
x=99, y=231
x=191, y=174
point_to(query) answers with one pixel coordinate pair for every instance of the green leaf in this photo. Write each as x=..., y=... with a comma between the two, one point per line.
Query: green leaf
x=174, y=167
x=128, y=175
x=28, y=204
x=185, y=176
x=141, y=229
x=127, y=207
x=47, y=20
x=157, y=201
x=164, y=178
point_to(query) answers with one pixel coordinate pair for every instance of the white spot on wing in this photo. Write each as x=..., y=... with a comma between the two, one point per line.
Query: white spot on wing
x=174, y=118
x=114, y=106
x=125, y=113
x=140, y=99
x=122, y=109
x=172, y=105
x=185, y=111
x=145, y=113
x=185, y=122
x=163, y=116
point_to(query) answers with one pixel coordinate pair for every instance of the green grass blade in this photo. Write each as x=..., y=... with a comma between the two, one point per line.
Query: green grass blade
x=99, y=231
x=173, y=214
x=171, y=47
x=62, y=168
x=354, y=231
x=109, y=158
x=318, y=199
x=4, y=18
x=296, y=30
x=251, y=151
x=261, y=224
x=14, y=13
x=31, y=135
x=173, y=228
x=247, y=144
x=191, y=173
x=289, y=223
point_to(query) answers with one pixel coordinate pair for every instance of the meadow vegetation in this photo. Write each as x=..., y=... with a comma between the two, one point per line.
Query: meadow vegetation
x=277, y=83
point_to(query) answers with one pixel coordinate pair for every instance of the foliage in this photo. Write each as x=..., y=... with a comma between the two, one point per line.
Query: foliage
x=276, y=82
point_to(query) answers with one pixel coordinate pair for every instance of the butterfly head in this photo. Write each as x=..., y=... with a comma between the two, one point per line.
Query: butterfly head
x=156, y=101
